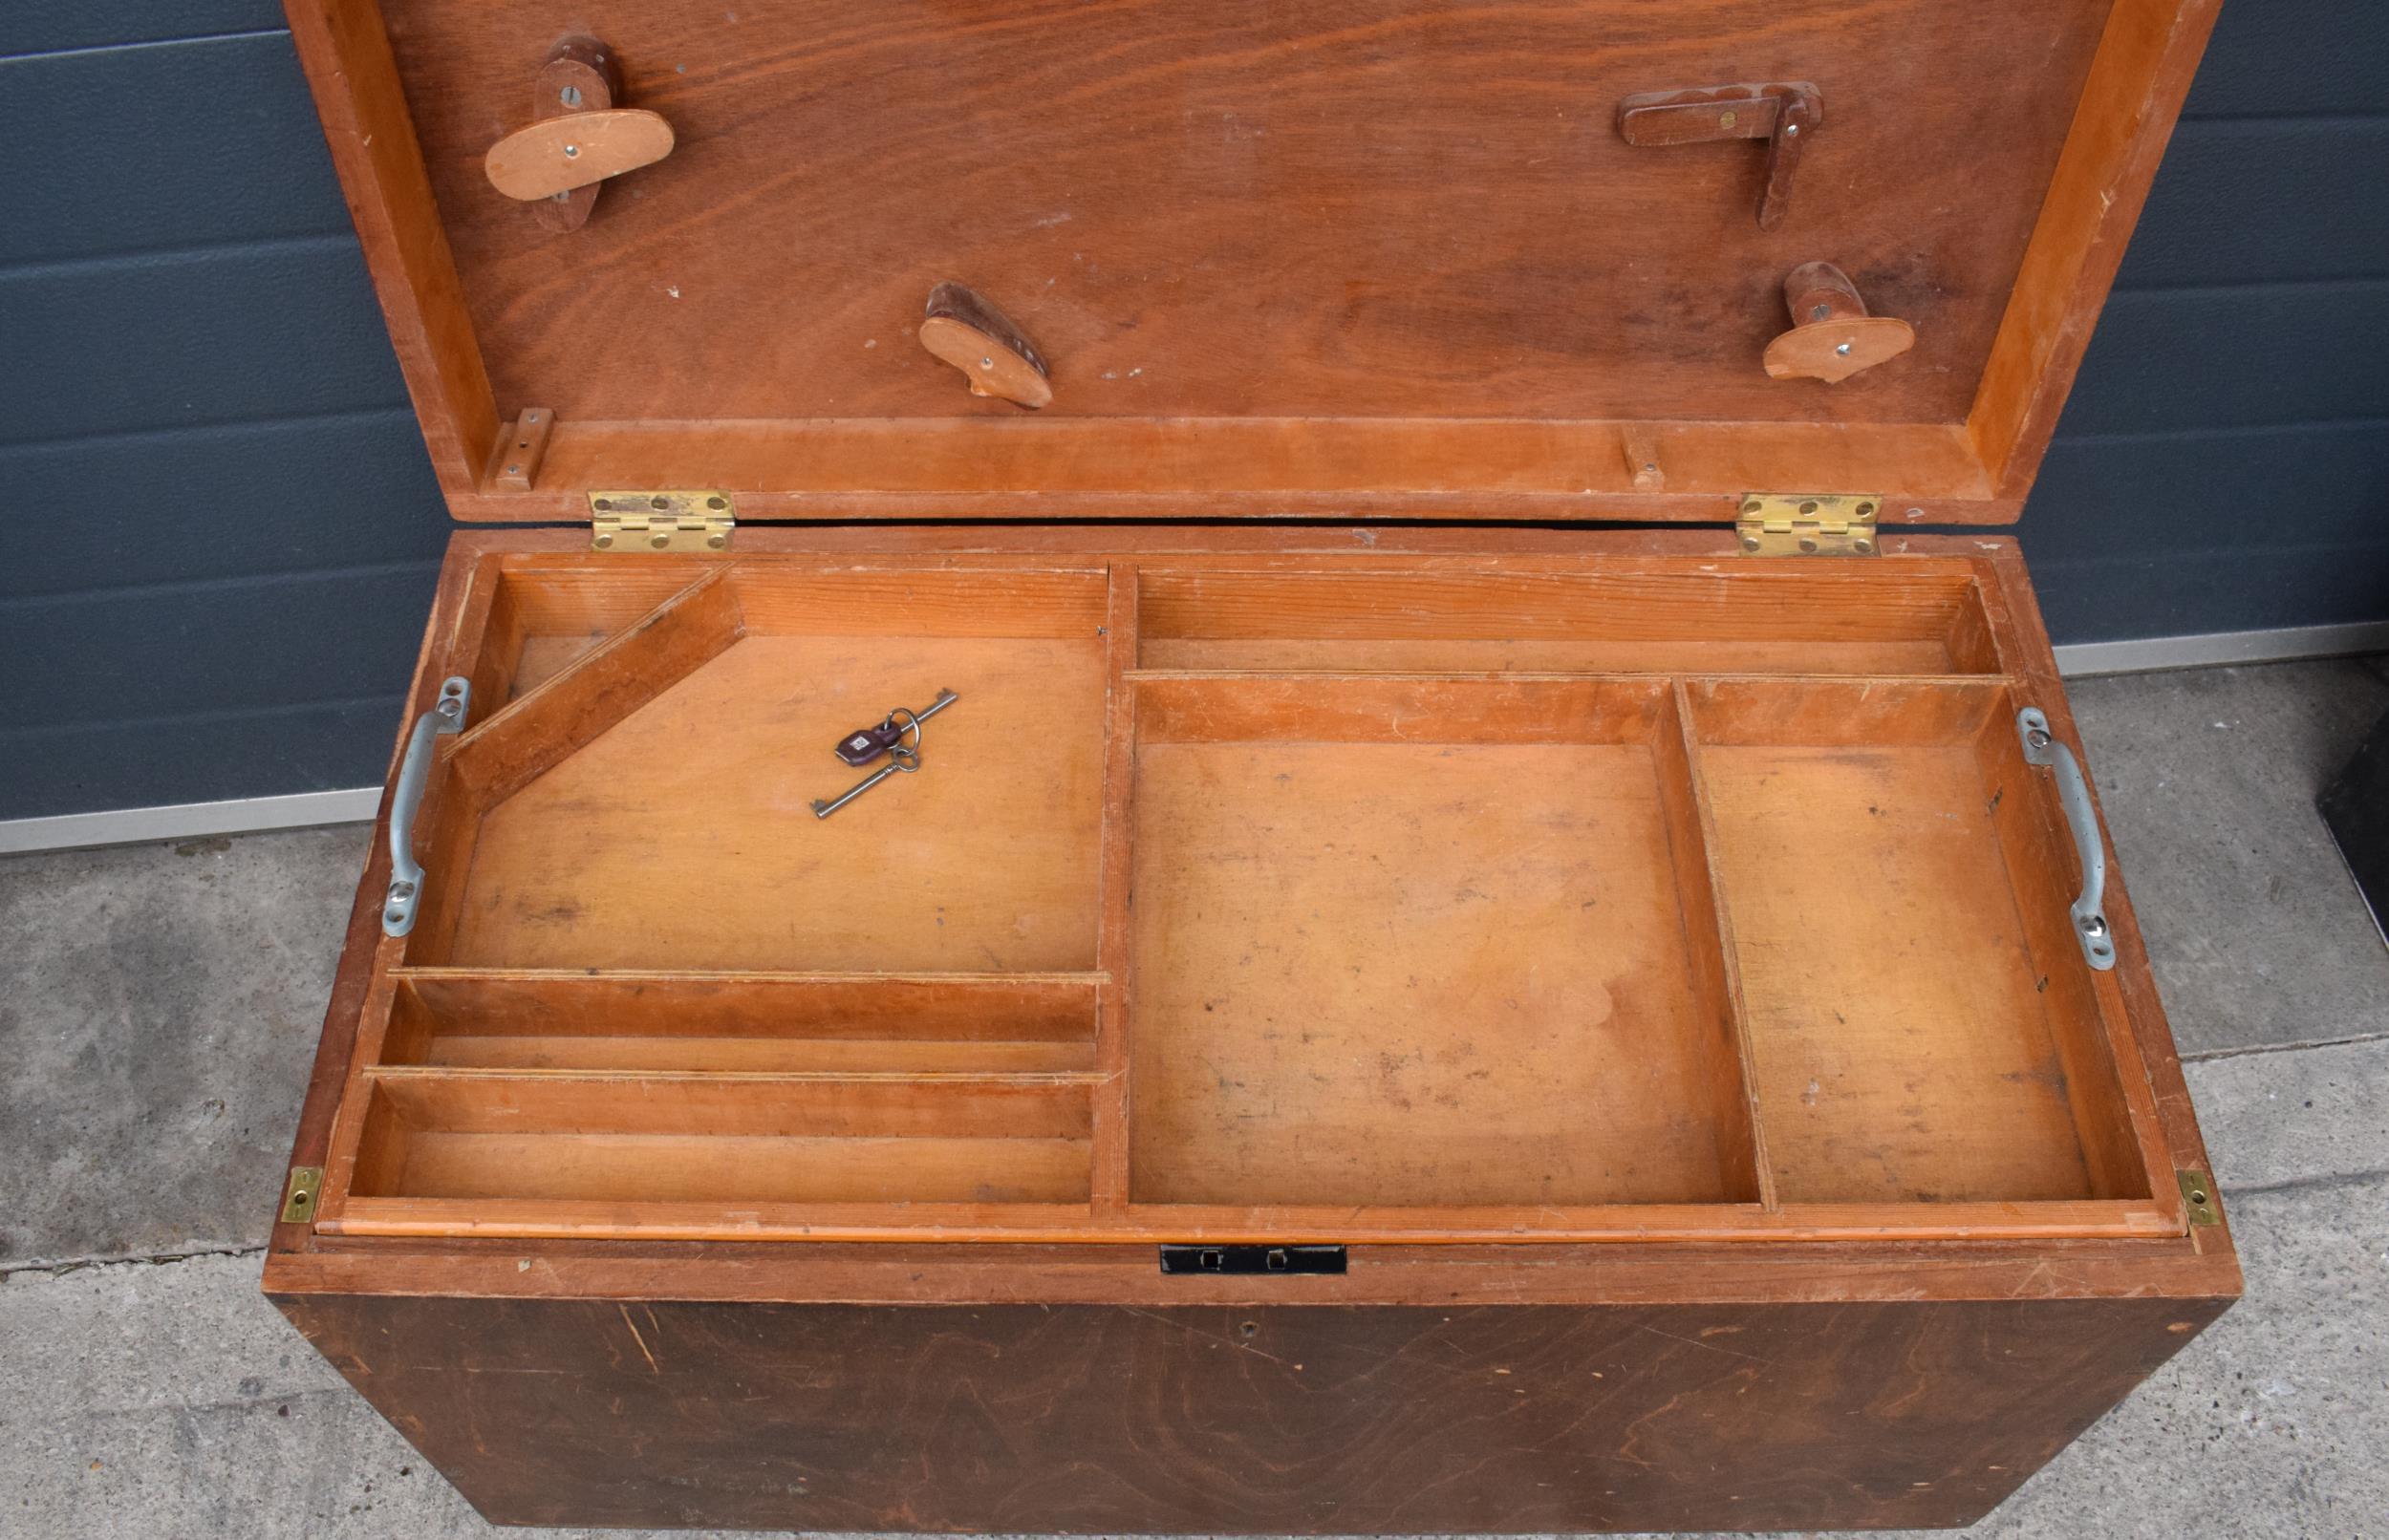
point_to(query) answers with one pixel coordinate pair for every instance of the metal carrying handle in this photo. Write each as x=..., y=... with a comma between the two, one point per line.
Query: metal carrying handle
x=2090, y=915
x=444, y=719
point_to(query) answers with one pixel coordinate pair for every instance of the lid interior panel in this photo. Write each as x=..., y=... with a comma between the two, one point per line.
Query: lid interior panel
x=1364, y=209
x=1358, y=257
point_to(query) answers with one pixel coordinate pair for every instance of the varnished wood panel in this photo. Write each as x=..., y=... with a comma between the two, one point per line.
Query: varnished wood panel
x=1250, y=1419
x=1359, y=208
x=1351, y=213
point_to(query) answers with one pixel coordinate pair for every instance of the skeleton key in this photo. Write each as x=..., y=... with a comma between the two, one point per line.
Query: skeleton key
x=868, y=743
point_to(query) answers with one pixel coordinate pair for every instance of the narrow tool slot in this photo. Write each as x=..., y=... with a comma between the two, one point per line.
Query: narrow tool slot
x=659, y=1139
x=754, y=1025
x=1683, y=616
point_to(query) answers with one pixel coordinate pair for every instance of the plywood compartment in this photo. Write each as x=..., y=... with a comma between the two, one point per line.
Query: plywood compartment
x=643, y=1139
x=648, y=807
x=1922, y=1026
x=1424, y=942
x=1719, y=618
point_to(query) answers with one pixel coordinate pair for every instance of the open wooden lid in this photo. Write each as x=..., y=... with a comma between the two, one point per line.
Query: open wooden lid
x=1549, y=260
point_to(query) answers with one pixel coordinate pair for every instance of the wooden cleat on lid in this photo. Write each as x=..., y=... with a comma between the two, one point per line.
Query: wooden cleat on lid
x=993, y=353
x=1832, y=337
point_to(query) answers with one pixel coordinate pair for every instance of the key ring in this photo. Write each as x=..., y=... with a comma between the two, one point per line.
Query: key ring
x=914, y=725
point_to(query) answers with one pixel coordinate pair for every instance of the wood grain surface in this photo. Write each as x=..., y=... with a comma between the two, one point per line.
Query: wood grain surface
x=1358, y=208
x=1246, y=1419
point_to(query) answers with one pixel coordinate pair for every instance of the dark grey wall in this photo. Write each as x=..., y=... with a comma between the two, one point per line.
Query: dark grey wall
x=188, y=347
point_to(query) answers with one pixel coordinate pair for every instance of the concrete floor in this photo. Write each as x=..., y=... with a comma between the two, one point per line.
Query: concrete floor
x=159, y=1005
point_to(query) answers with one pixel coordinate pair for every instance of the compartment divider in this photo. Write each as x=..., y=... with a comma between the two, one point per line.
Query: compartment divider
x=1114, y=935
x=505, y=751
x=1708, y=929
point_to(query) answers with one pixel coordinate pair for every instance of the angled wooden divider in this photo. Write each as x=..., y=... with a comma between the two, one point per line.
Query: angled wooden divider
x=503, y=752
x=510, y=742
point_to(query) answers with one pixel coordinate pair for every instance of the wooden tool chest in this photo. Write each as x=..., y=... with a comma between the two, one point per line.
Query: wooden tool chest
x=1377, y=1003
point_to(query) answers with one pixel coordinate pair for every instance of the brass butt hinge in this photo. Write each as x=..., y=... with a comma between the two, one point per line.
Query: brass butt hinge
x=700, y=520
x=298, y=1199
x=2198, y=1197
x=1775, y=523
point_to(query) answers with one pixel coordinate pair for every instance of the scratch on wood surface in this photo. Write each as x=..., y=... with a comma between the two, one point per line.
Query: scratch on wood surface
x=1705, y=1347
x=651, y=1365
x=1212, y=1336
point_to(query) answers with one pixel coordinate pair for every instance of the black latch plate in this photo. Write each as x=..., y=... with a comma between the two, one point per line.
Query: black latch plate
x=1228, y=1259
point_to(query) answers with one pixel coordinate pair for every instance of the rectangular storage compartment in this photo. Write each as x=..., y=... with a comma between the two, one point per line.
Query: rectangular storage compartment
x=1922, y=1023
x=1425, y=942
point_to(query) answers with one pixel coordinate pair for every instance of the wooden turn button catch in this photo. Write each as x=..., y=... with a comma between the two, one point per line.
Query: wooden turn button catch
x=1832, y=337
x=1785, y=113
x=993, y=353
x=577, y=139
